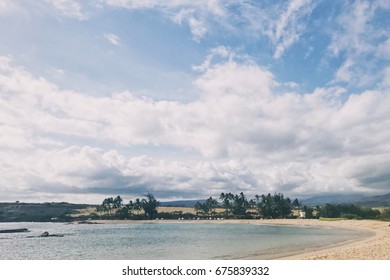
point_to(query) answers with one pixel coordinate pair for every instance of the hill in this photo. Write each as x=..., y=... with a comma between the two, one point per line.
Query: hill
x=38, y=212
x=358, y=199
x=375, y=201
x=181, y=203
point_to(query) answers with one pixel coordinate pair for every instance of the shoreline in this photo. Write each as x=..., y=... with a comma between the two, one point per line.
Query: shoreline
x=375, y=246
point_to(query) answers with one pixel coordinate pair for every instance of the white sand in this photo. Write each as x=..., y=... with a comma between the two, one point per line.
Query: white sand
x=376, y=247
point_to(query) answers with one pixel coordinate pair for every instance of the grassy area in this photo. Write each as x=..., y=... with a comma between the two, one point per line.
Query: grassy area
x=332, y=219
x=380, y=209
x=83, y=212
x=163, y=209
x=184, y=210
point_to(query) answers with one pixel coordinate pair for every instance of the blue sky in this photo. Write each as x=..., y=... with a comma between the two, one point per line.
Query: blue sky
x=188, y=99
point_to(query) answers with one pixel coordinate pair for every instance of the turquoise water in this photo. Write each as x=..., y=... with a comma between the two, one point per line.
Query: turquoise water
x=163, y=241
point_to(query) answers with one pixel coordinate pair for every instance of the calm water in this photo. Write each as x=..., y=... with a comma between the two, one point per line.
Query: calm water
x=162, y=240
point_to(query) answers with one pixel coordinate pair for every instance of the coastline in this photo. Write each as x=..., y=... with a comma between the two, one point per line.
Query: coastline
x=373, y=247
x=376, y=246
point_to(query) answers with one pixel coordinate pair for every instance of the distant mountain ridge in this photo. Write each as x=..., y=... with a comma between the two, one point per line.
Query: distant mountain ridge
x=375, y=201
x=181, y=203
x=358, y=199
x=332, y=199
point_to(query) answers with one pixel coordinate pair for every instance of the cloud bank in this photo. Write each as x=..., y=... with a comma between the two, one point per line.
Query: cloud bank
x=242, y=133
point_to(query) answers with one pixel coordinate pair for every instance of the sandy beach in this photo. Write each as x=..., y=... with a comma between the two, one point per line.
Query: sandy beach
x=374, y=247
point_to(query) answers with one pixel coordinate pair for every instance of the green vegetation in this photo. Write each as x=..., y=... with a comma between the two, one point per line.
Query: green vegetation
x=385, y=215
x=228, y=206
x=232, y=206
x=114, y=208
x=207, y=208
x=348, y=211
x=38, y=212
x=276, y=206
x=237, y=206
x=150, y=205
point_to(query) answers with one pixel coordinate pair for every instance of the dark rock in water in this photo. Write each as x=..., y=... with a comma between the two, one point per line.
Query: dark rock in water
x=47, y=234
x=14, y=230
x=87, y=223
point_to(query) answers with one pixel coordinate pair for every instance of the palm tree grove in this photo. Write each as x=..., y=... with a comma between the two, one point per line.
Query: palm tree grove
x=230, y=206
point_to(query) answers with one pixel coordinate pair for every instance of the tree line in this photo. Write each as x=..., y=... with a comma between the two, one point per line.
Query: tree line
x=348, y=211
x=279, y=207
x=236, y=206
x=114, y=207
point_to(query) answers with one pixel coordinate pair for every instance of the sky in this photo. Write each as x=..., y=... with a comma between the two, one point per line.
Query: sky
x=187, y=99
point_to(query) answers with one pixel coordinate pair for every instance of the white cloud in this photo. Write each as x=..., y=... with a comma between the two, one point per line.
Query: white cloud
x=384, y=49
x=242, y=137
x=193, y=13
x=214, y=6
x=283, y=29
x=112, y=38
x=68, y=8
x=362, y=42
x=218, y=52
x=7, y=6
x=90, y=171
x=354, y=29
x=344, y=74
x=286, y=31
x=198, y=28
x=14, y=137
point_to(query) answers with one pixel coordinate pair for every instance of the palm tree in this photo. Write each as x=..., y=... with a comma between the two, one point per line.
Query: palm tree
x=275, y=206
x=138, y=205
x=252, y=205
x=198, y=208
x=107, y=205
x=265, y=205
x=130, y=207
x=227, y=202
x=211, y=204
x=123, y=212
x=296, y=204
x=117, y=203
x=100, y=209
x=207, y=208
x=150, y=205
x=240, y=205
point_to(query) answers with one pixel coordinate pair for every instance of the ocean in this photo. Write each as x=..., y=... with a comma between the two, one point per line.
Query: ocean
x=163, y=241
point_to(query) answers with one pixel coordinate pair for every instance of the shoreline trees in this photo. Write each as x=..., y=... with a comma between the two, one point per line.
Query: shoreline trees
x=237, y=206
x=206, y=208
x=114, y=207
x=234, y=206
x=150, y=205
x=274, y=206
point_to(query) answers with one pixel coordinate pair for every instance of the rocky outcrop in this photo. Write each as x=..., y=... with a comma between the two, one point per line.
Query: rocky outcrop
x=16, y=230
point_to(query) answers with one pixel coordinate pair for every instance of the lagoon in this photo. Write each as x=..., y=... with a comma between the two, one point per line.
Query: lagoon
x=165, y=240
